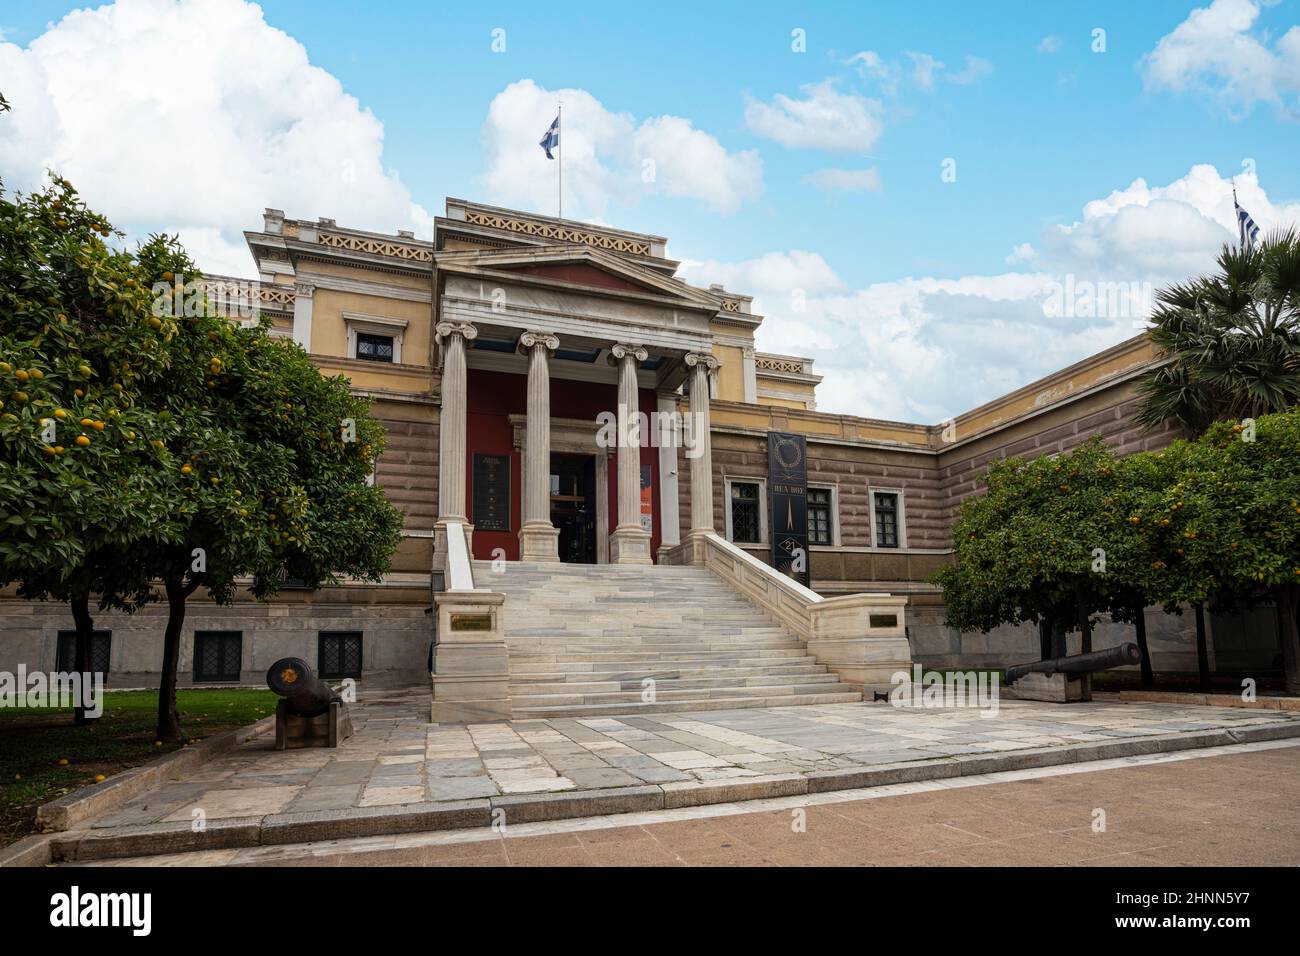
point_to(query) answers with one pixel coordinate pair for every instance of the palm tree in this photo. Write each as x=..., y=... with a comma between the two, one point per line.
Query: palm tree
x=1232, y=340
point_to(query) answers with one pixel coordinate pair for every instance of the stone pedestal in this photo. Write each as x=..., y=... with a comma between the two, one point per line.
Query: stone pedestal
x=1056, y=688
x=324, y=730
x=471, y=666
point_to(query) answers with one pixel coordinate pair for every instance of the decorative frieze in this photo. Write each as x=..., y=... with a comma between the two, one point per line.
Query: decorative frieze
x=558, y=233
x=376, y=247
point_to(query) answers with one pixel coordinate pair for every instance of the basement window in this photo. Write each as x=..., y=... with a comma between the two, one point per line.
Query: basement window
x=101, y=644
x=218, y=656
x=339, y=654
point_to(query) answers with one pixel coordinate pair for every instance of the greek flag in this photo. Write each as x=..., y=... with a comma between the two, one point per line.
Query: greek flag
x=552, y=138
x=1247, y=231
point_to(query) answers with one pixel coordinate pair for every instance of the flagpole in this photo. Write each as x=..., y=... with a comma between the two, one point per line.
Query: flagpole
x=559, y=129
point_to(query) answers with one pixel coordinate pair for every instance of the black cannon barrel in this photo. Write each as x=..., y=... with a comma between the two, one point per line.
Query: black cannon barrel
x=1117, y=656
x=306, y=694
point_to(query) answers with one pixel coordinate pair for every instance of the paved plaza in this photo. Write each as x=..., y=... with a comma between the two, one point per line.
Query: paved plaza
x=1220, y=806
x=397, y=757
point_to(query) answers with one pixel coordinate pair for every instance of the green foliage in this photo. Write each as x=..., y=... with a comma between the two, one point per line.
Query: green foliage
x=1216, y=519
x=1233, y=339
x=174, y=430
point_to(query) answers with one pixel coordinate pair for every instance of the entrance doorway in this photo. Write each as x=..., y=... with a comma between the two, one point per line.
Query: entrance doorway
x=573, y=506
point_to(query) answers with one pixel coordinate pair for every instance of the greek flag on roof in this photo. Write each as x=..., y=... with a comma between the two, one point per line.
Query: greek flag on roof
x=552, y=138
x=1247, y=231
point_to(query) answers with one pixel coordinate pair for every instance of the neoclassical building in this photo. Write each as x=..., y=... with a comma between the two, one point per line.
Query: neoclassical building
x=496, y=356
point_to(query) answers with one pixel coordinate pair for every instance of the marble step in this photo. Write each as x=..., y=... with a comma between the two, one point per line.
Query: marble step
x=533, y=689
x=684, y=706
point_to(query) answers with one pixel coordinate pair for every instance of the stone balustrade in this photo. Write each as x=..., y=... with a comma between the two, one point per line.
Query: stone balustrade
x=861, y=637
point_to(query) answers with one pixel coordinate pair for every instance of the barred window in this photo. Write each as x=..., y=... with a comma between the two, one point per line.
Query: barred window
x=218, y=656
x=821, y=523
x=101, y=644
x=374, y=348
x=886, y=504
x=745, y=525
x=339, y=654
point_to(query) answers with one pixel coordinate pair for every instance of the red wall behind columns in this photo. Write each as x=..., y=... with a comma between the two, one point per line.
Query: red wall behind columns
x=493, y=397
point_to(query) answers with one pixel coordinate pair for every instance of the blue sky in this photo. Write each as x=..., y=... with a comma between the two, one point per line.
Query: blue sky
x=1039, y=126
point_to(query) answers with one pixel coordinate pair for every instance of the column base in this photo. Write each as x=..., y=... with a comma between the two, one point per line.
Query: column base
x=539, y=542
x=629, y=546
x=693, y=547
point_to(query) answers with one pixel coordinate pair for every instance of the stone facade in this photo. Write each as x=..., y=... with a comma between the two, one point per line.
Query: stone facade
x=514, y=331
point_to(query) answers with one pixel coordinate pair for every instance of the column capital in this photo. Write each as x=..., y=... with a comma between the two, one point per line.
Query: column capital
x=708, y=360
x=303, y=290
x=622, y=350
x=463, y=329
x=534, y=337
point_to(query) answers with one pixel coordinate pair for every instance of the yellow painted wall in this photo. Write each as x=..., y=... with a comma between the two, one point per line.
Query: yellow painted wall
x=329, y=334
x=731, y=374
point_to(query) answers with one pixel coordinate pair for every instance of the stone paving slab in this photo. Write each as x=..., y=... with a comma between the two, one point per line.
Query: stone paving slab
x=559, y=766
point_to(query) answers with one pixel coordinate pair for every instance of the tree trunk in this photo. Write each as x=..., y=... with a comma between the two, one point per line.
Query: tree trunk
x=1202, y=649
x=1060, y=648
x=1085, y=640
x=1044, y=639
x=169, y=721
x=83, y=657
x=1288, y=627
x=1140, y=626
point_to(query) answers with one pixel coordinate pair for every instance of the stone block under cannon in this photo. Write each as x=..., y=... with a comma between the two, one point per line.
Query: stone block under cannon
x=309, y=712
x=1065, y=679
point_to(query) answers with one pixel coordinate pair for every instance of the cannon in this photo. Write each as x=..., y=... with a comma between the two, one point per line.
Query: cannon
x=309, y=712
x=1061, y=678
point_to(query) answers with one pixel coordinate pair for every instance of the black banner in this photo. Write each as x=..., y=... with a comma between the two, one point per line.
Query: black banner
x=491, y=492
x=787, y=491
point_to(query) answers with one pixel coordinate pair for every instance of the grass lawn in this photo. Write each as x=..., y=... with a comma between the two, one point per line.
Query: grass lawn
x=34, y=741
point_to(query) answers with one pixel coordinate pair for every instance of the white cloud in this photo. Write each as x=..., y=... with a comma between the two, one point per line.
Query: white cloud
x=871, y=66
x=824, y=118
x=927, y=71
x=1215, y=52
x=608, y=157
x=1024, y=252
x=192, y=117
x=925, y=348
x=1049, y=44
x=846, y=180
x=924, y=69
x=975, y=70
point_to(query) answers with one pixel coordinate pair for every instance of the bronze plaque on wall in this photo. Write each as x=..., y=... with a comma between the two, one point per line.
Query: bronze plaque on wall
x=491, y=493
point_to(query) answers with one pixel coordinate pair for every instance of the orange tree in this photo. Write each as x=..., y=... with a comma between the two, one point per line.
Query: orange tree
x=1246, y=488
x=78, y=480
x=199, y=453
x=1039, y=546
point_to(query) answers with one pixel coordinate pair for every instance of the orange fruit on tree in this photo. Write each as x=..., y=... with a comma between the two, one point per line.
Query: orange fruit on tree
x=83, y=441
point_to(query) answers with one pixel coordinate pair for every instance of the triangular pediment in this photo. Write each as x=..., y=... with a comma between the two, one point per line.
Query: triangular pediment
x=579, y=266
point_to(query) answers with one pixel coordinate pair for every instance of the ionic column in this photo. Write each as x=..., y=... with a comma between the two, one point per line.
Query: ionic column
x=629, y=544
x=451, y=427
x=538, y=538
x=700, y=451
